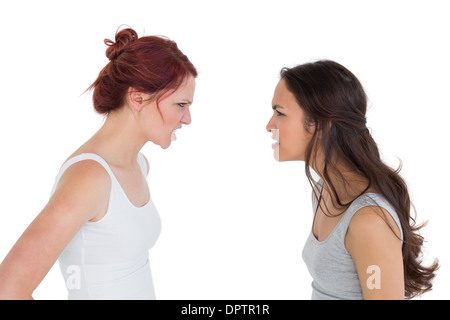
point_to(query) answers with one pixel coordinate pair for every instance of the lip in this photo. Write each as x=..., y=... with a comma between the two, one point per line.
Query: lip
x=276, y=144
x=173, y=136
x=275, y=137
x=275, y=134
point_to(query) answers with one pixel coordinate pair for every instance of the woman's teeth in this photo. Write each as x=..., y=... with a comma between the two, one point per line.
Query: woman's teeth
x=275, y=134
x=173, y=136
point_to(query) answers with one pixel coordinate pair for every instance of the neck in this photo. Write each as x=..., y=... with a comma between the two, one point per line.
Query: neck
x=119, y=140
x=348, y=183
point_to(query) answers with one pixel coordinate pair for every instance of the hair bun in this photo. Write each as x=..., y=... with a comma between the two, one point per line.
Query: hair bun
x=123, y=38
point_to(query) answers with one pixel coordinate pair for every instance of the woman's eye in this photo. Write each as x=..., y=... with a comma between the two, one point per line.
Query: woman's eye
x=279, y=113
x=181, y=104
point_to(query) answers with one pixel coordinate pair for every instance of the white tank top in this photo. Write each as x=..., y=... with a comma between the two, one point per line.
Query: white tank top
x=108, y=259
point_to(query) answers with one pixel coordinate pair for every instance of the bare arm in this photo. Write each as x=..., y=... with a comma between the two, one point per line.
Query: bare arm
x=377, y=254
x=82, y=194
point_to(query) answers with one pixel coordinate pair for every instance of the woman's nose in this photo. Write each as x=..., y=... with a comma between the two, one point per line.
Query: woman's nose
x=186, y=117
x=270, y=125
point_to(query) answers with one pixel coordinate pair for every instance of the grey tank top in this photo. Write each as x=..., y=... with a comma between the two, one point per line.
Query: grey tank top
x=329, y=263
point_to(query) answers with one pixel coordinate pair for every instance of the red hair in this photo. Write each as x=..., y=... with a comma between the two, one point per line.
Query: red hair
x=149, y=64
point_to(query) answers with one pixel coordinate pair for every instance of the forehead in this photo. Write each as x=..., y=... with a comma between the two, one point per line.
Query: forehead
x=186, y=89
x=283, y=97
x=184, y=92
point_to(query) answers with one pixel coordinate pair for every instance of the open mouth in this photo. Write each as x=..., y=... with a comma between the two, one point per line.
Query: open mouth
x=173, y=136
x=275, y=136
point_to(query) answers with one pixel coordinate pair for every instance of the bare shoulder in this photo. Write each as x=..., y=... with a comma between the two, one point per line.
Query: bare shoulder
x=85, y=185
x=85, y=172
x=82, y=194
x=373, y=221
x=372, y=235
x=372, y=240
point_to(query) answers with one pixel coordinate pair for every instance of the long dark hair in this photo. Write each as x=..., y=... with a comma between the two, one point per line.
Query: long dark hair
x=334, y=103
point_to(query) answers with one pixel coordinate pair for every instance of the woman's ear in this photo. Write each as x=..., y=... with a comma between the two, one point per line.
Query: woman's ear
x=321, y=127
x=135, y=99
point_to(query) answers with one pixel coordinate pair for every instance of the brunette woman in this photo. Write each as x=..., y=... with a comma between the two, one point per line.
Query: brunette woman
x=101, y=221
x=364, y=243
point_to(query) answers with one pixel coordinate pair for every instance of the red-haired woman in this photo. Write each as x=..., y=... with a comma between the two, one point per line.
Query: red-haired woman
x=100, y=221
x=364, y=242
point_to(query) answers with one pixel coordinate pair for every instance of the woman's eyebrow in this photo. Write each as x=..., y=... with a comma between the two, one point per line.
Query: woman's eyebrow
x=275, y=107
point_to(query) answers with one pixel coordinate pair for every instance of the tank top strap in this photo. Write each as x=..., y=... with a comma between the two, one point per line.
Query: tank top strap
x=81, y=157
x=142, y=164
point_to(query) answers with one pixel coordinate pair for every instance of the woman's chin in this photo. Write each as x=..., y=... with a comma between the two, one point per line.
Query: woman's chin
x=165, y=145
x=276, y=155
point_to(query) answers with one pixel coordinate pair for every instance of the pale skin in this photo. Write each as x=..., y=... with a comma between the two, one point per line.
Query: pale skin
x=82, y=193
x=372, y=237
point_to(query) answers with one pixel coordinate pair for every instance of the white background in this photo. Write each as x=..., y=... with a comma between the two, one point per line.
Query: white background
x=234, y=221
